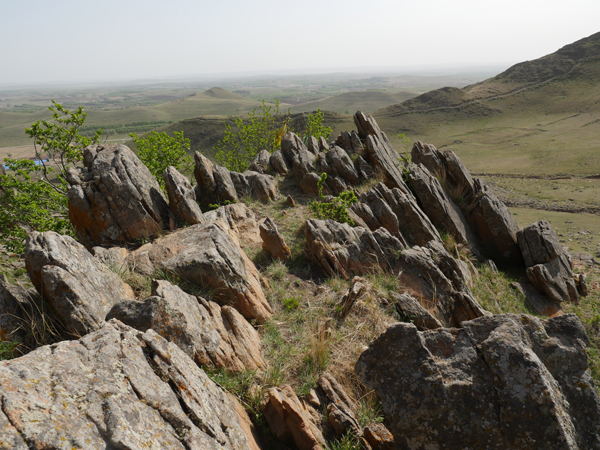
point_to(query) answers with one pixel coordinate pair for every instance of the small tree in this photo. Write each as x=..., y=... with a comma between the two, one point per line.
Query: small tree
x=59, y=145
x=159, y=151
x=259, y=131
x=33, y=194
x=315, y=126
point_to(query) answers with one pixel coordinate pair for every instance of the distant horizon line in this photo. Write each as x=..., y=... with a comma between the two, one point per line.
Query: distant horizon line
x=422, y=70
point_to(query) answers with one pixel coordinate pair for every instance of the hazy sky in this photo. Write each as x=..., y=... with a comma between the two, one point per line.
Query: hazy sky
x=66, y=40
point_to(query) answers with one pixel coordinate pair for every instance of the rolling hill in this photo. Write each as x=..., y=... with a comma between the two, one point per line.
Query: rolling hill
x=349, y=102
x=537, y=117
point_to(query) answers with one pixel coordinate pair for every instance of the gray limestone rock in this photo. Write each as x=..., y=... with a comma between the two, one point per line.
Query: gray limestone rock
x=119, y=200
x=182, y=199
x=505, y=381
x=212, y=335
x=77, y=285
x=116, y=388
x=278, y=163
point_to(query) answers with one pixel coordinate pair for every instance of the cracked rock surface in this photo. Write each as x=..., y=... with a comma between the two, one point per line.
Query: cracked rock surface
x=116, y=388
x=505, y=381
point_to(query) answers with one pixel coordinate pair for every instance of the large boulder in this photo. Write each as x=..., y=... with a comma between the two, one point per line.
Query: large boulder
x=206, y=255
x=77, y=285
x=342, y=165
x=340, y=249
x=505, y=381
x=115, y=388
x=549, y=265
x=291, y=145
x=239, y=221
x=440, y=208
x=260, y=163
x=182, y=199
x=254, y=185
x=212, y=335
x=116, y=199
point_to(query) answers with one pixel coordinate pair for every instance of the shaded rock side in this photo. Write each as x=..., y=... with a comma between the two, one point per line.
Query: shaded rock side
x=340, y=249
x=13, y=299
x=206, y=255
x=340, y=408
x=489, y=219
x=549, y=265
x=260, y=163
x=440, y=208
x=428, y=273
x=397, y=211
x=290, y=420
x=212, y=335
x=117, y=200
x=273, y=241
x=182, y=199
x=505, y=381
x=76, y=284
x=114, y=388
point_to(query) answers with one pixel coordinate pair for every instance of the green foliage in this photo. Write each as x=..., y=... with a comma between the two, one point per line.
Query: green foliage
x=347, y=442
x=238, y=148
x=29, y=204
x=7, y=350
x=315, y=127
x=337, y=209
x=407, y=145
x=369, y=411
x=291, y=303
x=159, y=151
x=33, y=197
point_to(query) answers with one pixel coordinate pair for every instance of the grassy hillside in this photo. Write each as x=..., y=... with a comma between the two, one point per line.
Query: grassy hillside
x=349, y=102
x=527, y=126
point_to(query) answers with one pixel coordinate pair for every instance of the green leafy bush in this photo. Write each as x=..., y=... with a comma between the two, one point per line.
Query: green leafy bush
x=337, y=209
x=33, y=193
x=159, y=151
x=315, y=126
x=259, y=131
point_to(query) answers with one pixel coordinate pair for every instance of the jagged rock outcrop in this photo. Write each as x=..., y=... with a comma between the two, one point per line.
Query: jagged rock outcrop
x=340, y=407
x=489, y=219
x=397, y=211
x=505, y=381
x=115, y=200
x=273, y=241
x=428, y=273
x=114, y=388
x=217, y=185
x=212, y=335
x=206, y=255
x=340, y=249
x=549, y=265
x=341, y=165
x=439, y=207
x=76, y=284
x=290, y=419
x=355, y=291
x=182, y=198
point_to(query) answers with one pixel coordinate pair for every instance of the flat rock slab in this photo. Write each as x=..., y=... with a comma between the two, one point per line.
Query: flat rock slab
x=114, y=388
x=505, y=381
